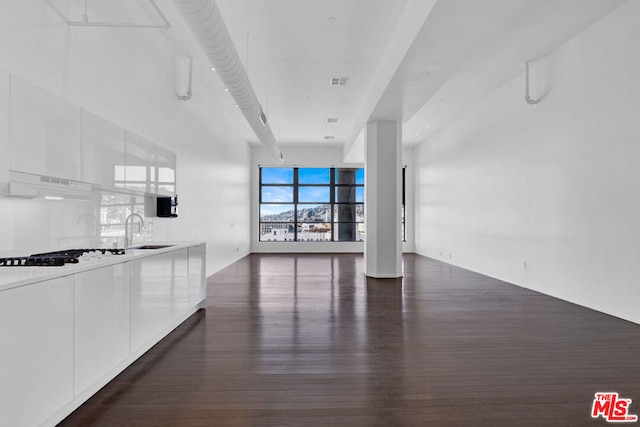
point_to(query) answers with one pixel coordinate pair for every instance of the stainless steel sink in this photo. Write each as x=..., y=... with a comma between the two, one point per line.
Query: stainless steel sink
x=152, y=247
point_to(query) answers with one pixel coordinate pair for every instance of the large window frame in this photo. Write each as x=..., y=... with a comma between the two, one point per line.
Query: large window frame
x=291, y=228
x=295, y=228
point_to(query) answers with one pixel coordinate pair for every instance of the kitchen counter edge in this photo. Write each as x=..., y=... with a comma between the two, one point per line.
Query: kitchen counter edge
x=14, y=277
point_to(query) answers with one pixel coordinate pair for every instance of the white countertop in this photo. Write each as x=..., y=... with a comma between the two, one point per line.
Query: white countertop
x=12, y=277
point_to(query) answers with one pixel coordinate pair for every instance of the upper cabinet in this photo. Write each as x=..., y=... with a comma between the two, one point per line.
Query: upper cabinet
x=148, y=167
x=103, y=151
x=139, y=164
x=45, y=135
x=165, y=171
x=45, y=132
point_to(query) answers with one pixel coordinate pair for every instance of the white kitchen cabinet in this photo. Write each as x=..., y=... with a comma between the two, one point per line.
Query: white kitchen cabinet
x=36, y=356
x=178, y=286
x=101, y=310
x=165, y=164
x=197, y=281
x=64, y=338
x=150, y=303
x=159, y=294
x=139, y=171
x=103, y=151
x=4, y=129
x=45, y=132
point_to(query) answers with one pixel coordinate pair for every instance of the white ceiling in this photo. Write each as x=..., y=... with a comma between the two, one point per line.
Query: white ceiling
x=421, y=62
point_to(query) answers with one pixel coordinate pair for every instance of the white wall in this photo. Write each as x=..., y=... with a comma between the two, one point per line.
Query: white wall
x=129, y=76
x=315, y=156
x=555, y=185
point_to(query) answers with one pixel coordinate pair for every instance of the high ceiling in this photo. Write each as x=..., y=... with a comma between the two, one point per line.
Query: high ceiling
x=421, y=62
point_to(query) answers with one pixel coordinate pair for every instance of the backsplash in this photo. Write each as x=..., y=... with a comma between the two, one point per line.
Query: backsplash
x=39, y=225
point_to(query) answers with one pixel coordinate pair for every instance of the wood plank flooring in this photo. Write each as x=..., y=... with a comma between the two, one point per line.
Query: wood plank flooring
x=307, y=340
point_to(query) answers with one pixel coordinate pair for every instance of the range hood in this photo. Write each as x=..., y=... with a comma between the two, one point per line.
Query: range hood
x=30, y=186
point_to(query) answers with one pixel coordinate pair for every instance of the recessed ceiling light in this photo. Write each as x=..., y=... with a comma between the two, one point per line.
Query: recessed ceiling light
x=332, y=19
x=226, y=89
x=54, y=198
x=427, y=126
x=213, y=68
x=236, y=105
x=417, y=134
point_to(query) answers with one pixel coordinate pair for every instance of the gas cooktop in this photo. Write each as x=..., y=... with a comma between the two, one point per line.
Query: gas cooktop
x=59, y=258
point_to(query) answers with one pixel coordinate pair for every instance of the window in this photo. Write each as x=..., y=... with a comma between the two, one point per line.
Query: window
x=314, y=204
x=311, y=204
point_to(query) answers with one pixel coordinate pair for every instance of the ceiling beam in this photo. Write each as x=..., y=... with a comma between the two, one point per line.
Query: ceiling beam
x=411, y=21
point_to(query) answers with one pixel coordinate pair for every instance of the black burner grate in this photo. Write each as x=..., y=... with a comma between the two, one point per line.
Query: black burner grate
x=54, y=259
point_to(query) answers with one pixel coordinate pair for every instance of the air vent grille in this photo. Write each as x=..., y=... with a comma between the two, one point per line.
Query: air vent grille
x=338, y=81
x=332, y=120
x=328, y=137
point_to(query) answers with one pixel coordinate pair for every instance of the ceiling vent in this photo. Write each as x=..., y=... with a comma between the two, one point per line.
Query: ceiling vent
x=338, y=81
x=332, y=120
x=329, y=137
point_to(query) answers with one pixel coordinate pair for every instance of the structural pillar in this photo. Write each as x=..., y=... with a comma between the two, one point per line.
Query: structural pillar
x=383, y=199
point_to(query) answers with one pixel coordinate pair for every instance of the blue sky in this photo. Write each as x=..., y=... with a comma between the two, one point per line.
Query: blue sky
x=277, y=175
x=315, y=194
x=274, y=209
x=314, y=175
x=277, y=194
x=305, y=176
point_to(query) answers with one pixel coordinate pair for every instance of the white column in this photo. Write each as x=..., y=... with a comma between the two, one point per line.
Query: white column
x=383, y=199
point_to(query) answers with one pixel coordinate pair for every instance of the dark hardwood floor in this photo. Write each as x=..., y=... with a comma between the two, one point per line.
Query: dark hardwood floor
x=307, y=340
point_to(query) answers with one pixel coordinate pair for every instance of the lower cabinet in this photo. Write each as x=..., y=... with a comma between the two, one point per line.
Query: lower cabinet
x=101, y=332
x=63, y=339
x=149, y=298
x=197, y=281
x=36, y=351
x=178, y=262
x=159, y=294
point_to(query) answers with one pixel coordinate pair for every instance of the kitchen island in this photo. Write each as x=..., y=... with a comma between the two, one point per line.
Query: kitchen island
x=67, y=331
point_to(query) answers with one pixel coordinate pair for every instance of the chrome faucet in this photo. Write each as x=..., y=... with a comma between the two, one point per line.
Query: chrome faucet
x=128, y=238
